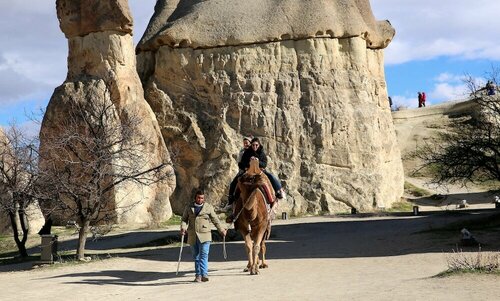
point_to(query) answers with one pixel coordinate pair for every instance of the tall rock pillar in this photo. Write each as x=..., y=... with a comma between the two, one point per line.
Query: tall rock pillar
x=102, y=64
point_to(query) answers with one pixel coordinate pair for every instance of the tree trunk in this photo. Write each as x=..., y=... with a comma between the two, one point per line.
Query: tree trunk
x=21, y=245
x=25, y=226
x=82, y=238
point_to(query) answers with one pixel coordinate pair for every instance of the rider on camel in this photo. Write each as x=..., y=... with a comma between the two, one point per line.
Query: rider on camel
x=256, y=150
x=232, y=187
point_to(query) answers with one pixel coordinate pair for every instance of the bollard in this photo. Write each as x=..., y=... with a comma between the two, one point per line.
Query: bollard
x=284, y=216
x=354, y=211
x=415, y=210
x=49, y=249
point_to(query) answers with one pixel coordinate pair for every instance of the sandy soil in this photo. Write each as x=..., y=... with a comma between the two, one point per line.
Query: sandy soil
x=320, y=258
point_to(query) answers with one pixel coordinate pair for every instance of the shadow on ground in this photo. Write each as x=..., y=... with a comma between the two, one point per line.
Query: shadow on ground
x=339, y=238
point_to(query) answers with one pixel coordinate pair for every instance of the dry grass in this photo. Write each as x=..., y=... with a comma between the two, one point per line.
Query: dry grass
x=175, y=220
x=416, y=191
x=401, y=206
x=460, y=262
x=8, y=245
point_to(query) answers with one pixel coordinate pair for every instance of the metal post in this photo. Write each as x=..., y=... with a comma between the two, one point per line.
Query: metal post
x=49, y=249
x=284, y=216
x=415, y=210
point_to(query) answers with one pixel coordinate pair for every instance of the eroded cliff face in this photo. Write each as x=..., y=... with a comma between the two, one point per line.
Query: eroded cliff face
x=102, y=66
x=319, y=104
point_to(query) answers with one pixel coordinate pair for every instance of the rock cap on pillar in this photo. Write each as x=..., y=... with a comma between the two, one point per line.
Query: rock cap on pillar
x=79, y=18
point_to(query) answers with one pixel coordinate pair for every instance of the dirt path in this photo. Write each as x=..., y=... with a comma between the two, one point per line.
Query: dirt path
x=317, y=258
x=452, y=195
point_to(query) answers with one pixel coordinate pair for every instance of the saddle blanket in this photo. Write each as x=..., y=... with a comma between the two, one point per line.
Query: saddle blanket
x=267, y=193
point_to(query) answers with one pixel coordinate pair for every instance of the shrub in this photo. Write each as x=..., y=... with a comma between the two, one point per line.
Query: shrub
x=459, y=261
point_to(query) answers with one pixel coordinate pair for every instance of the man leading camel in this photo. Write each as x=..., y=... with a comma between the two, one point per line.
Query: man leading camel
x=196, y=223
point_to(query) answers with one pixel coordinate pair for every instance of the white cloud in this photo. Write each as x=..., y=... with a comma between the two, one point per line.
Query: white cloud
x=16, y=87
x=33, y=55
x=33, y=52
x=400, y=101
x=448, y=91
x=449, y=77
x=428, y=29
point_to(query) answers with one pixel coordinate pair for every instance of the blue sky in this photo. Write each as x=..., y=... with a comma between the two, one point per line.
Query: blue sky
x=437, y=42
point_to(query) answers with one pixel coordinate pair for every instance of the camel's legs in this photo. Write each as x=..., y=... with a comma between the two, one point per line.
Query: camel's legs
x=249, y=248
x=256, y=249
x=263, y=253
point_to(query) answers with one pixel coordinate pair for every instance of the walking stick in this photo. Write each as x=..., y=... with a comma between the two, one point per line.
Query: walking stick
x=180, y=254
x=224, y=252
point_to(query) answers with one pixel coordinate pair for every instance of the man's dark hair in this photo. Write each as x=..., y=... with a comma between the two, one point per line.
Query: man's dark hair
x=199, y=192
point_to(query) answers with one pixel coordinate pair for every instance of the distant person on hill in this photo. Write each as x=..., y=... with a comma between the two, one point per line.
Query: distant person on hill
x=419, y=99
x=390, y=102
x=424, y=98
x=490, y=88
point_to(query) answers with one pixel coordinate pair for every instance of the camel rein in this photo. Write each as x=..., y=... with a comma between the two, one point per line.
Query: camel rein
x=243, y=207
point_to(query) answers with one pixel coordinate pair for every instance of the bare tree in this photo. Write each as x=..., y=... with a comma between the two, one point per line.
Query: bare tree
x=470, y=150
x=89, y=155
x=18, y=181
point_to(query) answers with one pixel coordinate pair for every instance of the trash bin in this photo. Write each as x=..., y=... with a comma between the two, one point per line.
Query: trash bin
x=49, y=248
x=284, y=216
x=415, y=210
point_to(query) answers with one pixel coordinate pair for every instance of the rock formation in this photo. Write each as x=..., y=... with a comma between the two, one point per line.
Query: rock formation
x=33, y=213
x=305, y=76
x=102, y=66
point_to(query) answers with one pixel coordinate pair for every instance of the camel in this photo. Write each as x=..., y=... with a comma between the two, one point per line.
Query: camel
x=252, y=219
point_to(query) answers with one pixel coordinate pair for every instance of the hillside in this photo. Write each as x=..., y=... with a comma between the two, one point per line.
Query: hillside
x=414, y=127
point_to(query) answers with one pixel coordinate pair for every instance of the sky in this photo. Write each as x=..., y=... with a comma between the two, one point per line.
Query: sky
x=436, y=44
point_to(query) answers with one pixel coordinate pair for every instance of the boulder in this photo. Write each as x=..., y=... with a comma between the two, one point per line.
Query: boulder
x=306, y=77
x=102, y=67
